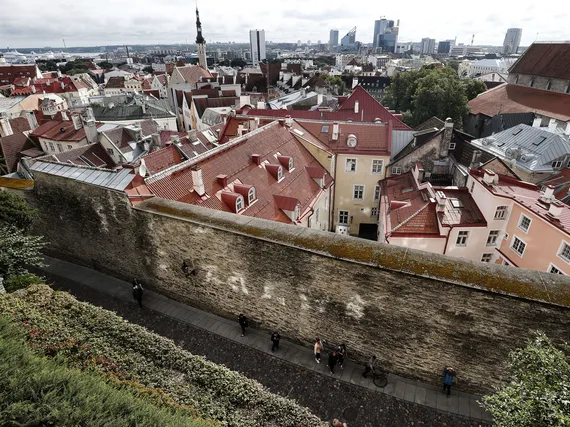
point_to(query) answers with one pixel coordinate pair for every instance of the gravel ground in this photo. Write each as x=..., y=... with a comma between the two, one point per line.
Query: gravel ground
x=324, y=396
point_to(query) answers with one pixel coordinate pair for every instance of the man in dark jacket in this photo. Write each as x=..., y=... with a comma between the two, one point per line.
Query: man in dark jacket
x=369, y=366
x=448, y=375
x=137, y=292
x=275, y=337
x=333, y=358
x=243, y=322
x=341, y=352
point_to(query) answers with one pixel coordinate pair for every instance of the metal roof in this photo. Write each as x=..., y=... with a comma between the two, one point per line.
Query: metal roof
x=115, y=180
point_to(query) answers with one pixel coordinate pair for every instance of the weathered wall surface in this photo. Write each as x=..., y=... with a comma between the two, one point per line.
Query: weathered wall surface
x=416, y=311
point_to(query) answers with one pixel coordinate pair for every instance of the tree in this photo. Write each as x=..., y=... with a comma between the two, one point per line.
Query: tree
x=18, y=251
x=335, y=82
x=148, y=69
x=473, y=88
x=14, y=211
x=48, y=65
x=538, y=394
x=106, y=65
x=238, y=63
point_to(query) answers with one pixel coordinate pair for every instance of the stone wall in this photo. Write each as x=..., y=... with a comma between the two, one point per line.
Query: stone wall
x=417, y=312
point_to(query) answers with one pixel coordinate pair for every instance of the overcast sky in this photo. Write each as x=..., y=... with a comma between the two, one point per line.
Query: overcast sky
x=37, y=23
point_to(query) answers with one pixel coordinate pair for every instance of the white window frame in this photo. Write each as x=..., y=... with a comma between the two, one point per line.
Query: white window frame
x=557, y=164
x=496, y=237
x=463, y=237
x=551, y=266
x=521, y=218
x=561, y=250
x=396, y=170
x=452, y=145
x=240, y=204
x=340, y=216
x=376, y=192
x=374, y=212
x=512, y=245
x=377, y=172
x=291, y=164
x=351, y=162
x=490, y=256
x=110, y=151
x=505, y=212
x=354, y=192
x=279, y=173
x=251, y=195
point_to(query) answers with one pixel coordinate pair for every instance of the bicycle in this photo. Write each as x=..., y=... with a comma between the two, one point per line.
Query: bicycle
x=379, y=378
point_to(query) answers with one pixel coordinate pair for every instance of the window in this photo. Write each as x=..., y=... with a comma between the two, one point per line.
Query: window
x=317, y=214
x=377, y=166
x=374, y=212
x=501, y=212
x=524, y=223
x=564, y=252
x=376, y=192
x=291, y=164
x=358, y=192
x=59, y=148
x=350, y=165
x=239, y=203
x=555, y=270
x=70, y=147
x=110, y=151
x=396, y=170
x=518, y=246
x=343, y=217
x=251, y=195
x=472, y=186
x=531, y=84
x=517, y=79
x=279, y=173
x=556, y=164
x=568, y=88
x=462, y=238
x=452, y=145
x=549, y=85
x=486, y=257
x=492, y=239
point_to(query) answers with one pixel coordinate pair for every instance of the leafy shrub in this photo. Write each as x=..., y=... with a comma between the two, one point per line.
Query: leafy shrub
x=14, y=211
x=22, y=281
x=40, y=391
x=98, y=340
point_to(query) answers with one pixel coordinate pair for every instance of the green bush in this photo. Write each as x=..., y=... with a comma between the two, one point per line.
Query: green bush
x=98, y=340
x=22, y=281
x=14, y=211
x=44, y=392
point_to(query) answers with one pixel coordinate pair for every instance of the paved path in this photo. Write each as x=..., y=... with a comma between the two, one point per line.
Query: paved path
x=460, y=403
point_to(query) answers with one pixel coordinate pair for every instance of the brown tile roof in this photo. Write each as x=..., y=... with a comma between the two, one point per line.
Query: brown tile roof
x=162, y=159
x=546, y=60
x=87, y=155
x=508, y=98
x=117, y=82
x=11, y=148
x=19, y=125
x=234, y=160
x=203, y=103
x=60, y=130
x=193, y=73
x=9, y=73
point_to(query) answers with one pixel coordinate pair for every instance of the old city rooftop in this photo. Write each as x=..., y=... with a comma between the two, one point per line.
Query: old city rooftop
x=267, y=173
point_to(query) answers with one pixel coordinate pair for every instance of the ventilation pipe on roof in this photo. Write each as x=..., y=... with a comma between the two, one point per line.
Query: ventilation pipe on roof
x=77, y=123
x=548, y=195
x=441, y=200
x=288, y=121
x=335, y=131
x=197, y=180
x=256, y=159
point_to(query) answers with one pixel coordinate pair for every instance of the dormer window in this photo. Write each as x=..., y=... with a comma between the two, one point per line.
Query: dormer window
x=279, y=173
x=291, y=164
x=251, y=196
x=286, y=162
x=239, y=204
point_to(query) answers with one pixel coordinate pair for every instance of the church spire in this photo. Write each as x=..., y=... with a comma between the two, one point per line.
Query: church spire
x=199, y=37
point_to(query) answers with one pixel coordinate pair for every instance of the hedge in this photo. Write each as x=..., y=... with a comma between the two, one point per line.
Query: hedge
x=92, y=338
x=39, y=391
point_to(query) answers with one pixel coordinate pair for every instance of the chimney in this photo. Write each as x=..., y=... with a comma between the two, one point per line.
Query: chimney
x=32, y=121
x=256, y=159
x=556, y=209
x=489, y=177
x=475, y=159
x=441, y=200
x=447, y=134
x=143, y=106
x=91, y=131
x=197, y=180
x=303, y=92
x=6, y=127
x=156, y=139
x=288, y=121
x=64, y=116
x=77, y=123
x=335, y=131
x=548, y=195
x=175, y=139
x=222, y=180
x=356, y=107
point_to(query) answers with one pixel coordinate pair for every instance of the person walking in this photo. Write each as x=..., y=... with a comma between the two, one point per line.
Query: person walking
x=341, y=352
x=333, y=358
x=370, y=366
x=448, y=375
x=244, y=323
x=137, y=292
x=317, y=350
x=275, y=337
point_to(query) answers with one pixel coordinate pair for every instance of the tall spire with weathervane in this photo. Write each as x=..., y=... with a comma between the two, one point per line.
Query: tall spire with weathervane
x=200, y=42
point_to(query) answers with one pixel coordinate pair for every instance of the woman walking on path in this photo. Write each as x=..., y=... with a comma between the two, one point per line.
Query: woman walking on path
x=242, y=320
x=137, y=292
x=317, y=350
x=341, y=353
x=448, y=375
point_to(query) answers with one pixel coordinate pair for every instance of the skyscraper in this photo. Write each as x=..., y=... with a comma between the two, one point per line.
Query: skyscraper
x=512, y=41
x=200, y=43
x=333, y=39
x=428, y=46
x=444, y=47
x=385, y=35
x=348, y=42
x=257, y=42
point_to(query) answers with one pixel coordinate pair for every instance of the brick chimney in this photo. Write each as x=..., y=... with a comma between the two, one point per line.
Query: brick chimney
x=335, y=131
x=548, y=195
x=197, y=180
x=447, y=133
x=256, y=159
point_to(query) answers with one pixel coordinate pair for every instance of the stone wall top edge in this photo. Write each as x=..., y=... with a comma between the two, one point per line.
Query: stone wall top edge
x=505, y=280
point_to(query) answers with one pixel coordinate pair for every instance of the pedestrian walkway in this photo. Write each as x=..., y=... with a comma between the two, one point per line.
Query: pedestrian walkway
x=460, y=403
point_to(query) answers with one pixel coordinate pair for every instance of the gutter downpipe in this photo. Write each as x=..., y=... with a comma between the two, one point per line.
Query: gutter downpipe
x=447, y=239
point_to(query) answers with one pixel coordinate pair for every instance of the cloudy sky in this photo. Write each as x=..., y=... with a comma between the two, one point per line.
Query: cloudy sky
x=36, y=23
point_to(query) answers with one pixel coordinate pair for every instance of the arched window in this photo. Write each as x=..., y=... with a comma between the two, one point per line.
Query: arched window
x=239, y=203
x=279, y=173
x=291, y=163
x=251, y=195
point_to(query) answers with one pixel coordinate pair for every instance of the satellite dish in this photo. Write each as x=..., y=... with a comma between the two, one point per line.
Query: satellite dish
x=351, y=140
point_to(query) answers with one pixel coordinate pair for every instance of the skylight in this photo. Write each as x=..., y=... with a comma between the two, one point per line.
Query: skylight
x=456, y=203
x=325, y=129
x=540, y=141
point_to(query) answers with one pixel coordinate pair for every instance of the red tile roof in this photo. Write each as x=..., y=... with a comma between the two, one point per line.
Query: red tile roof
x=60, y=130
x=9, y=73
x=162, y=159
x=546, y=60
x=508, y=98
x=464, y=213
x=117, y=82
x=234, y=160
x=11, y=148
x=193, y=73
x=88, y=155
x=19, y=124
